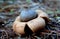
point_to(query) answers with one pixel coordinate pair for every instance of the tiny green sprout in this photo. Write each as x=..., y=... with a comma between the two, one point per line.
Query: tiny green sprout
x=11, y=11
x=28, y=1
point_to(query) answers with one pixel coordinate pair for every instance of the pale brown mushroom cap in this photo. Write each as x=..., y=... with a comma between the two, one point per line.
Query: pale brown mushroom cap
x=43, y=15
x=18, y=26
x=36, y=24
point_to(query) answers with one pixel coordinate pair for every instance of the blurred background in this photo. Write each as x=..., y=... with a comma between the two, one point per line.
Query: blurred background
x=10, y=9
